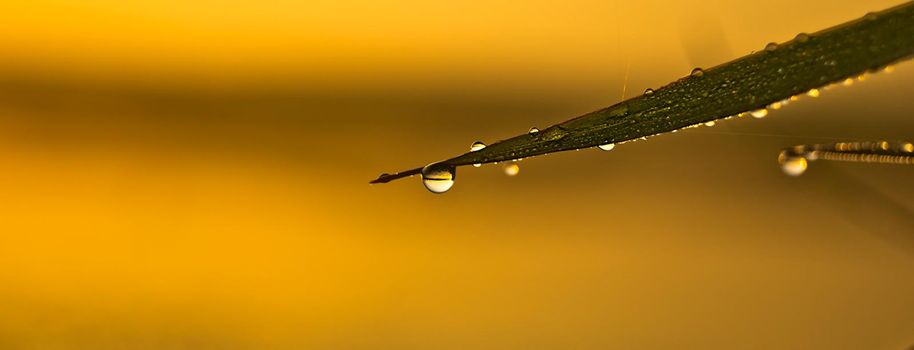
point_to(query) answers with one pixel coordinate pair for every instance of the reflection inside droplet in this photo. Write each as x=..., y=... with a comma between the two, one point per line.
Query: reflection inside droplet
x=512, y=169
x=607, y=147
x=793, y=165
x=759, y=113
x=813, y=93
x=438, y=178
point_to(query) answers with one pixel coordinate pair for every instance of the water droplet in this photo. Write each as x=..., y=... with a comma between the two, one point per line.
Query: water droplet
x=477, y=146
x=512, y=169
x=870, y=16
x=710, y=123
x=802, y=37
x=776, y=105
x=813, y=93
x=649, y=91
x=908, y=147
x=759, y=113
x=607, y=147
x=793, y=165
x=861, y=77
x=771, y=47
x=888, y=69
x=438, y=177
x=848, y=82
x=794, y=98
x=698, y=72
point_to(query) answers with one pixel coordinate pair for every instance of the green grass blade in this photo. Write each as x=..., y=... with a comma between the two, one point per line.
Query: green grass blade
x=745, y=84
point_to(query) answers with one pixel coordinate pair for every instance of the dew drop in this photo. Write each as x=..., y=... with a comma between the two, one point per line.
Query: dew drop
x=776, y=105
x=710, y=123
x=771, y=47
x=438, y=177
x=848, y=82
x=908, y=147
x=533, y=130
x=759, y=113
x=793, y=165
x=649, y=91
x=477, y=146
x=698, y=72
x=607, y=147
x=813, y=93
x=802, y=37
x=861, y=77
x=888, y=69
x=512, y=169
x=870, y=16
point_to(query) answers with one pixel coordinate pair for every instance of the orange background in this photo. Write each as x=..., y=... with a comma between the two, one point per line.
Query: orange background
x=193, y=174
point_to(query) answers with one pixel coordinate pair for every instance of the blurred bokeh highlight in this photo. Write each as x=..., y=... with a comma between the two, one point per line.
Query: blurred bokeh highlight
x=193, y=175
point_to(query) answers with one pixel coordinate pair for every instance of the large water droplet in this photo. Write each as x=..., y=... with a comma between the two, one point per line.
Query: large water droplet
x=649, y=91
x=813, y=93
x=802, y=37
x=698, y=72
x=771, y=47
x=759, y=113
x=607, y=147
x=534, y=130
x=793, y=165
x=512, y=169
x=438, y=177
x=477, y=146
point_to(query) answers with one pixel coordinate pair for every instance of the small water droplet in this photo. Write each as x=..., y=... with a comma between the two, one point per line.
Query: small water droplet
x=477, y=146
x=813, y=93
x=802, y=37
x=698, y=72
x=793, y=165
x=759, y=113
x=848, y=82
x=607, y=147
x=908, y=147
x=512, y=169
x=476, y=165
x=438, y=177
x=710, y=123
x=771, y=47
x=884, y=145
x=871, y=16
x=776, y=105
x=888, y=69
x=649, y=91
x=533, y=130
x=643, y=137
x=861, y=77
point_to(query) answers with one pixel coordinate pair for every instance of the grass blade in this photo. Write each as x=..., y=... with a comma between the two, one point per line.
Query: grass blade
x=749, y=83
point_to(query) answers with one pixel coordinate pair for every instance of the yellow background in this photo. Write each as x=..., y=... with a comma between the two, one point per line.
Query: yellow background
x=193, y=175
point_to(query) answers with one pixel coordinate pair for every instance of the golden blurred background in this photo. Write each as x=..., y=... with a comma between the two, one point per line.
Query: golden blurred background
x=193, y=175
